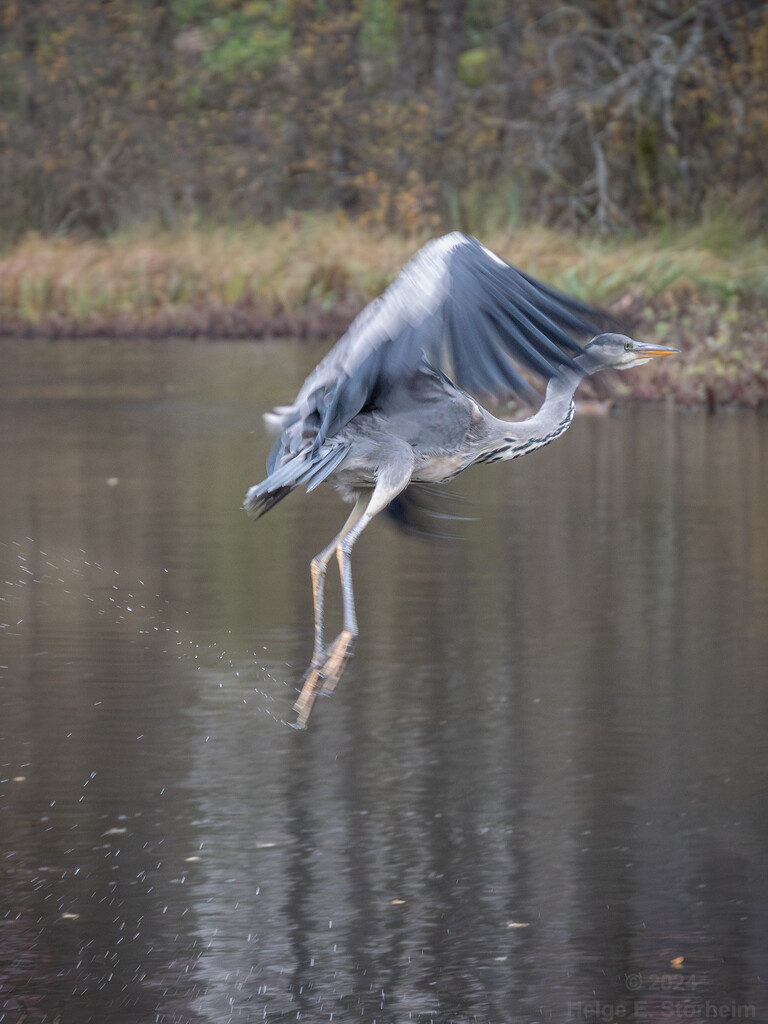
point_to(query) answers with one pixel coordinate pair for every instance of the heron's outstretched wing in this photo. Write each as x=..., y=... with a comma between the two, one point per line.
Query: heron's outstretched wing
x=461, y=309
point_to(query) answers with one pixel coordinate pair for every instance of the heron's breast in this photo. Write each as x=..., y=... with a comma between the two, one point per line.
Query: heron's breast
x=439, y=467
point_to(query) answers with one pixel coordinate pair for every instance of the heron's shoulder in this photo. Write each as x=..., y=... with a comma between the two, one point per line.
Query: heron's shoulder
x=442, y=254
x=445, y=244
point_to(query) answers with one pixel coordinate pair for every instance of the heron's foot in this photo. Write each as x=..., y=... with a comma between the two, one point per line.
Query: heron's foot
x=310, y=686
x=323, y=676
x=339, y=653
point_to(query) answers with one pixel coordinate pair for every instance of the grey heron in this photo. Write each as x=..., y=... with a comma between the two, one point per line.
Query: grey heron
x=395, y=401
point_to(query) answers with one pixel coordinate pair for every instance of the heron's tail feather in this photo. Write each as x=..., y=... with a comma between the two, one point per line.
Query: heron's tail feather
x=305, y=467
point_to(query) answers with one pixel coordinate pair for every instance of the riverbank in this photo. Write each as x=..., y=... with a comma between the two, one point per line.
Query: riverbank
x=705, y=292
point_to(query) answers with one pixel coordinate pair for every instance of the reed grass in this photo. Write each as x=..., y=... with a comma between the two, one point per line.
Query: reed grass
x=320, y=261
x=306, y=262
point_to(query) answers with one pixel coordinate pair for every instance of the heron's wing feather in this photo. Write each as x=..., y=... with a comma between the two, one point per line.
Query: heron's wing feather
x=459, y=308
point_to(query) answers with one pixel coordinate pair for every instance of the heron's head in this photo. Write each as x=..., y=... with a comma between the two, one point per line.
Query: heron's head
x=618, y=352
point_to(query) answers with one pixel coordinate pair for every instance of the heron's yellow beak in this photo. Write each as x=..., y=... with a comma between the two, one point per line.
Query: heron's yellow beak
x=653, y=351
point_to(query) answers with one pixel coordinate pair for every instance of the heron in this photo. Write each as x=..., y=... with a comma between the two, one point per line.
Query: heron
x=399, y=401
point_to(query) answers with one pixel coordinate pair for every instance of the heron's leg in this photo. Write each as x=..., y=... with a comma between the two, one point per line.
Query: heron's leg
x=343, y=646
x=391, y=481
x=318, y=569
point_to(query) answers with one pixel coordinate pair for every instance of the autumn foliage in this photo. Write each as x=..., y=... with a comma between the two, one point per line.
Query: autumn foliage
x=409, y=114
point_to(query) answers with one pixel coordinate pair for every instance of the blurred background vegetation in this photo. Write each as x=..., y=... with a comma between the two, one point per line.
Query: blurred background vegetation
x=409, y=115
x=253, y=168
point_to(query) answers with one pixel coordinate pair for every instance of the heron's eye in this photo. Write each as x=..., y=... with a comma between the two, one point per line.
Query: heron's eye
x=629, y=346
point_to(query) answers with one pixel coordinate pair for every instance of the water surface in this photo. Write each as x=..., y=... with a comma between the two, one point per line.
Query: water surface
x=538, y=794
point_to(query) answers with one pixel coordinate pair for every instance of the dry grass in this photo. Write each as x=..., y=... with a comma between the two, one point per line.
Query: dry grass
x=705, y=291
x=319, y=262
x=145, y=281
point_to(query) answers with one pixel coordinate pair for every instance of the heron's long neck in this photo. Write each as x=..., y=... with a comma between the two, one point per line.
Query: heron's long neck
x=511, y=440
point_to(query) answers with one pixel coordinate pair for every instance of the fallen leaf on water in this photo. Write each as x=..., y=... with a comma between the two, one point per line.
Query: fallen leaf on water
x=677, y=961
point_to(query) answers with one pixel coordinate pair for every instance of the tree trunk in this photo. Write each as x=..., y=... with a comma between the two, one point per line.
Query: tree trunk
x=448, y=18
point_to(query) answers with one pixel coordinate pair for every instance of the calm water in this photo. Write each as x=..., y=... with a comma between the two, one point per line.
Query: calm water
x=538, y=794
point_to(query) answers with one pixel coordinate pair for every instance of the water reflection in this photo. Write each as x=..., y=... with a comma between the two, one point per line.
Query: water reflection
x=540, y=784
